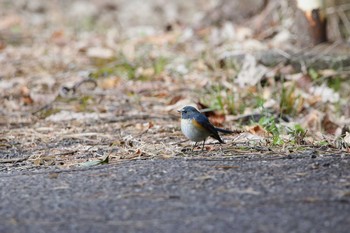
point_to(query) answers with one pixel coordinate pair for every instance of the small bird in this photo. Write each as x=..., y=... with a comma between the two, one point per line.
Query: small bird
x=196, y=126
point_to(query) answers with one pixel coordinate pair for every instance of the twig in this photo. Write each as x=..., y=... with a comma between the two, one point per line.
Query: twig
x=65, y=153
x=139, y=117
x=345, y=20
x=343, y=7
x=177, y=143
x=15, y=160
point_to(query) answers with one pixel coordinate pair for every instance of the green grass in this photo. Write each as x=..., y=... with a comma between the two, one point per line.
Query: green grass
x=159, y=65
x=297, y=133
x=122, y=67
x=289, y=100
x=335, y=83
x=313, y=74
x=222, y=99
x=269, y=124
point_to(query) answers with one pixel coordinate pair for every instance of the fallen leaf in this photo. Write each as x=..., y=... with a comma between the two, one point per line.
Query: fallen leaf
x=102, y=160
x=303, y=81
x=215, y=117
x=347, y=139
x=2, y=45
x=99, y=52
x=251, y=72
x=257, y=130
x=326, y=93
x=312, y=120
x=109, y=82
x=150, y=124
x=58, y=37
x=248, y=137
x=167, y=38
x=138, y=152
x=175, y=99
x=329, y=125
x=26, y=98
x=9, y=21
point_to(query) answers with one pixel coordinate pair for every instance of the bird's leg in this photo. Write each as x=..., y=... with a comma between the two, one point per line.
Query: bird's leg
x=203, y=144
x=195, y=144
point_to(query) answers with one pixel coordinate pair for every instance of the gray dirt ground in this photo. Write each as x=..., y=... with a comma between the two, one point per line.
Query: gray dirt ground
x=256, y=193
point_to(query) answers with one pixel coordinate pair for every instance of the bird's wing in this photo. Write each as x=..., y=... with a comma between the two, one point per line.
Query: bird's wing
x=203, y=121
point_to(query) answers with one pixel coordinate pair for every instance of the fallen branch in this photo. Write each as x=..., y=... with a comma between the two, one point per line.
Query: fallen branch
x=14, y=160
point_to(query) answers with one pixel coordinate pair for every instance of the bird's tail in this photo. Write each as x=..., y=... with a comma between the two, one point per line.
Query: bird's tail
x=227, y=131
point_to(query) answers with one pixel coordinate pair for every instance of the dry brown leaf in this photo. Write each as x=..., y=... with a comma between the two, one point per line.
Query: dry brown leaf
x=25, y=96
x=150, y=124
x=286, y=70
x=58, y=37
x=215, y=117
x=304, y=82
x=160, y=39
x=327, y=72
x=2, y=45
x=10, y=21
x=99, y=52
x=312, y=120
x=175, y=99
x=161, y=94
x=109, y=83
x=145, y=72
x=329, y=125
x=257, y=130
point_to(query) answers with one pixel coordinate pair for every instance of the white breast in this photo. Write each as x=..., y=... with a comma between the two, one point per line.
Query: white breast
x=192, y=132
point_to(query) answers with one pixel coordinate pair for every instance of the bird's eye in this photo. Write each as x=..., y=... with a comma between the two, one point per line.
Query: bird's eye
x=184, y=111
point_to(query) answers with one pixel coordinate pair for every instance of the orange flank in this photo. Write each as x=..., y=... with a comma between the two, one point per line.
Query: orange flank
x=197, y=125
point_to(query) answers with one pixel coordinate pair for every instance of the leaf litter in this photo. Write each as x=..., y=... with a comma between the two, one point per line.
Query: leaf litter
x=87, y=91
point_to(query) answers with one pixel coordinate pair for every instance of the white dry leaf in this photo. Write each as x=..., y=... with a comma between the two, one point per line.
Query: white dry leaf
x=327, y=94
x=294, y=77
x=129, y=50
x=347, y=139
x=249, y=137
x=252, y=45
x=68, y=116
x=228, y=31
x=181, y=69
x=82, y=9
x=8, y=85
x=186, y=35
x=270, y=103
x=251, y=72
x=42, y=98
x=99, y=52
x=243, y=33
x=179, y=105
x=141, y=32
x=281, y=39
